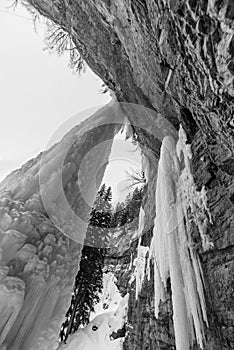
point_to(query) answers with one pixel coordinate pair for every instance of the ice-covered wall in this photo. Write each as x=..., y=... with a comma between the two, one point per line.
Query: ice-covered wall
x=140, y=261
x=37, y=273
x=140, y=265
x=39, y=244
x=172, y=248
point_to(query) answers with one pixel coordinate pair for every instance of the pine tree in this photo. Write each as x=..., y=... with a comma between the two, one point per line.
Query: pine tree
x=118, y=215
x=129, y=210
x=88, y=282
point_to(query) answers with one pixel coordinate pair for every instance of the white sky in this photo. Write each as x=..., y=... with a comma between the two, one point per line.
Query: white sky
x=38, y=93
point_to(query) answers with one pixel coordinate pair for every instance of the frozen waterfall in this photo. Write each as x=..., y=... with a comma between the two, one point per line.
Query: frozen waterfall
x=172, y=247
x=40, y=245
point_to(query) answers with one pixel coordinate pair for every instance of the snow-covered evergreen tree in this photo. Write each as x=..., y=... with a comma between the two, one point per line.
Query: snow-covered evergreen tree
x=128, y=210
x=88, y=282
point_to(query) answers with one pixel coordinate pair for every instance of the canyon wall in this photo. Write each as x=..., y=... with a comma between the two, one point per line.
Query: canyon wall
x=176, y=58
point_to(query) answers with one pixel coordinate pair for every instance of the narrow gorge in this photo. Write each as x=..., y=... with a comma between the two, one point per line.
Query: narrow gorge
x=169, y=65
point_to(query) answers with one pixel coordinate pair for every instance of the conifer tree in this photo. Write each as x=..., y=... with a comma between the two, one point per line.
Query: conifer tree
x=128, y=210
x=88, y=282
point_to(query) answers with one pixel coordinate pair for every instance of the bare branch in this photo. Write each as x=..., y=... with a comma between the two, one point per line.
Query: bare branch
x=135, y=177
x=60, y=41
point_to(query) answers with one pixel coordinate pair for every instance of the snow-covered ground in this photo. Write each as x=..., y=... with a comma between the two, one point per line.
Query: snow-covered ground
x=109, y=316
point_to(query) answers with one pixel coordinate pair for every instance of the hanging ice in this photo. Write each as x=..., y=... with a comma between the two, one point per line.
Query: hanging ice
x=140, y=261
x=140, y=264
x=40, y=245
x=172, y=248
x=141, y=221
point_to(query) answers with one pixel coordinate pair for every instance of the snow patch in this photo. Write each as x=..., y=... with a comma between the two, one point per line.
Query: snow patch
x=97, y=334
x=110, y=316
x=110, y=297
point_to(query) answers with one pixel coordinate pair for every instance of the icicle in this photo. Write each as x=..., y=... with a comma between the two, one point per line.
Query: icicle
x=141, y=222
x=171, y=246
x=131, y=263
x=199, y=282
x=167, y=226
x=139, y=264
x=191, y=280
x=159, y=292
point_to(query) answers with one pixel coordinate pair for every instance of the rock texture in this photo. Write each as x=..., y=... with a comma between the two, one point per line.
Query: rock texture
x=172, y=56
x=175, y=57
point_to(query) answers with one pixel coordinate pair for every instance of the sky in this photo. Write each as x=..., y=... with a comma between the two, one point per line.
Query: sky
x=39, y=92
x=124, y=157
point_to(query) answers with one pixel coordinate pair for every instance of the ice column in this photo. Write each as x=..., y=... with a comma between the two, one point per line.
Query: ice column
x=172, y=249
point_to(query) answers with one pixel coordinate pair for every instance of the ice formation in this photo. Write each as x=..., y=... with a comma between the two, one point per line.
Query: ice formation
x=172, y=248
x=40, y=245
x=140, y=265
x=140, y=261
x=141, y=221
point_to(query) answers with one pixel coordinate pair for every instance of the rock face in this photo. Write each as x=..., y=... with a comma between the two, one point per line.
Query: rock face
x=175, y=57
x=172, y=56
x=40, y=249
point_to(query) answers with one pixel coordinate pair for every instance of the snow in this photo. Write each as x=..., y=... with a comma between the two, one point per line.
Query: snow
x=97, y=334
x=172, y=248
x=110, y=297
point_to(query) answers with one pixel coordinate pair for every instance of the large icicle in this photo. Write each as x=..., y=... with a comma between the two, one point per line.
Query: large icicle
x=140, y=261
x=141, y=221
x=172, y=248
x=165, y=241
x=140, y=264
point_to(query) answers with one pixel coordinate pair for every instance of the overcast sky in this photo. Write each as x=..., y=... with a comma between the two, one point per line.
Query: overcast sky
x=38, y=92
